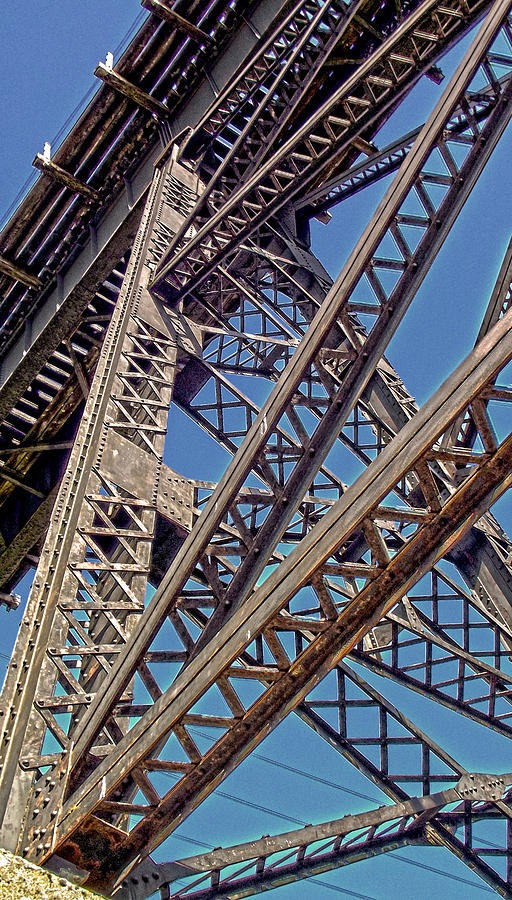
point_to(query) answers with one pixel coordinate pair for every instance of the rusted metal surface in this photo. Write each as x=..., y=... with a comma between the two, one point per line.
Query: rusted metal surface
x=87, y=717
x=293, y=680
x=151, y=876
x=261, y=430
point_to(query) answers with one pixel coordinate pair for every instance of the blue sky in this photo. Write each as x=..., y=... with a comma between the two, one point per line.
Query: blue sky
x=49, y=51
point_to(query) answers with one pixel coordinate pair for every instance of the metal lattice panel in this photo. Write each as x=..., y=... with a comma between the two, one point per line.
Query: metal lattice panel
x=282, y=588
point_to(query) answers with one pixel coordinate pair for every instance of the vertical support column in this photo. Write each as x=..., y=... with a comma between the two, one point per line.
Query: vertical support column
x=91, y=583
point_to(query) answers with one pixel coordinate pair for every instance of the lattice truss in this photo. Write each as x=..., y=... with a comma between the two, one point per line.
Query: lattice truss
x=281, y=588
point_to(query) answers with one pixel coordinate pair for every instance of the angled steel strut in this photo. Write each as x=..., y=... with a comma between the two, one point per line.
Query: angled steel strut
x=279, y=575
x=261, y=434
x=303, y=861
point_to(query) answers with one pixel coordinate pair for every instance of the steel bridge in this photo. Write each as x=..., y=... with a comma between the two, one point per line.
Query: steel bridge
x=165, y=251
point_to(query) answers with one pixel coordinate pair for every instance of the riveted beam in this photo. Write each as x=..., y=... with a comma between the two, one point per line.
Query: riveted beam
x=272, y=409
x=150, y=876
x=459, y=513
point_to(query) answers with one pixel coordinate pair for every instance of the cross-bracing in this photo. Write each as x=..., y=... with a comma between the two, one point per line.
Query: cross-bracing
x=280, y=577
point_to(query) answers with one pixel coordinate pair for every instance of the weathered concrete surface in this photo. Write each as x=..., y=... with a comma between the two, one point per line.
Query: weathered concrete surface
x=21, y=880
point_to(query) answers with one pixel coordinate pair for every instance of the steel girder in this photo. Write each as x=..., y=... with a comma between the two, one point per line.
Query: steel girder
x=279, y=859
x=337, y=404
x=378, y=164
x=296, y=39
x=292, y=678
x=230, y=112
x=105, y=147
x=330, y=364
x=367, y=95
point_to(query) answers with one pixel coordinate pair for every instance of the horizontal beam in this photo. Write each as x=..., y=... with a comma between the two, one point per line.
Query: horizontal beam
x=470, y=787
x=179, y=22
x=19, y=273
x=50, y=168
x=131, y=91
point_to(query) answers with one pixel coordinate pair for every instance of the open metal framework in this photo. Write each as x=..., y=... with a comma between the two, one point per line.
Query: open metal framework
x=164, y=252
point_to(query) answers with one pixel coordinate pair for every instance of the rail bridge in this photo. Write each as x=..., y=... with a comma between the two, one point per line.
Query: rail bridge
x=164, y=252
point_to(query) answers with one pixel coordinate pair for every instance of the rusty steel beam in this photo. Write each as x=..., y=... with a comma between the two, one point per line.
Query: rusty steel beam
x=272, y=410
x=355, y=562
x=151, y=876
x=442, y=530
